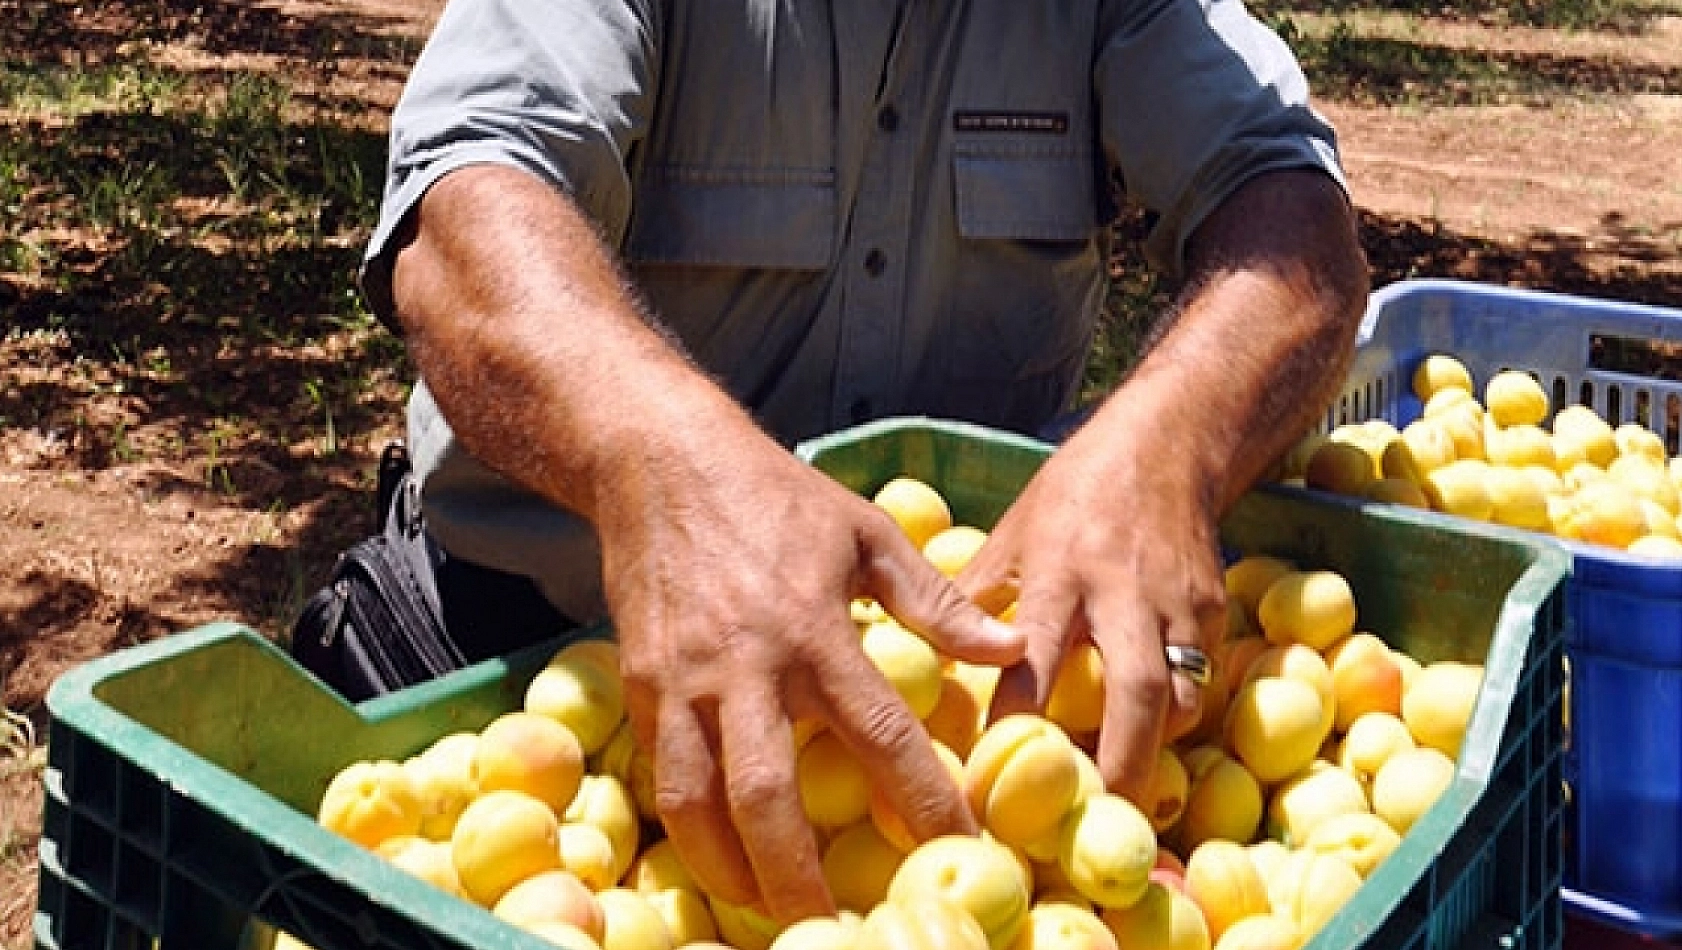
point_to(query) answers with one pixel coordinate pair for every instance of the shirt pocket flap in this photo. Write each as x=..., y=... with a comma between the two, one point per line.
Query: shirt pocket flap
x=1027, y=197
x=748, y=220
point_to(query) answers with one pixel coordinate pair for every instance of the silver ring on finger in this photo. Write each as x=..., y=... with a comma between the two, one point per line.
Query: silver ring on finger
x=1191, y=661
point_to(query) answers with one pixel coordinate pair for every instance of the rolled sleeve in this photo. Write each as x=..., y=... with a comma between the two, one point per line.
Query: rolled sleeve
x=1195, y=99
x=561, y=90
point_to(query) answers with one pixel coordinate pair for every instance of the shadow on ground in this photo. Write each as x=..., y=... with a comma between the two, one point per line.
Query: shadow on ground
x=1617, y=263
x=48, y=31
x=1383, y=71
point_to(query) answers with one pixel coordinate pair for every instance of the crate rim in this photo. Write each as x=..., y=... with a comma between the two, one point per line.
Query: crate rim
x=1383, y=296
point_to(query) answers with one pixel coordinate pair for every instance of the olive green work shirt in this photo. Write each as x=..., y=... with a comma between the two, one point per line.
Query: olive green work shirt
x=845, y=209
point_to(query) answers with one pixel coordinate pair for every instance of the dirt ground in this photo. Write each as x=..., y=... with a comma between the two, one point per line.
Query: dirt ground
x=99, y=550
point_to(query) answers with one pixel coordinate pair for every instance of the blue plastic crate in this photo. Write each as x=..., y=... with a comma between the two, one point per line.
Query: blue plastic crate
x=1624, y=646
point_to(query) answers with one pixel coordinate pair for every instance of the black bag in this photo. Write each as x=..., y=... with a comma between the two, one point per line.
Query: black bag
x=399, y=610
x=378, y=625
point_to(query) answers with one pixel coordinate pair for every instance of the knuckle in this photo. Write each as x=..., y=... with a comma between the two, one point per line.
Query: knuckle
x=683, y=801
x=888, y=726
x=757, y=785
x=1149, y=683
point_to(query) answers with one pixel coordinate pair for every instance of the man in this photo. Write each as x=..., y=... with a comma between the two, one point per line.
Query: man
x=640, y=248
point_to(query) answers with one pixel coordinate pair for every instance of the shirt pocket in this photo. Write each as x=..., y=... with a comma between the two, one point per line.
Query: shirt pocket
x=1026, y=193
x=748, y=219
x=1029, y=274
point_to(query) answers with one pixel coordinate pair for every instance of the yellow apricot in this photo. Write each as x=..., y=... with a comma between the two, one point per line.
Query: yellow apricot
x=1164, y=919
x=841, y=932
x=1224, y=801
x=1224, y=882
x=580, y=688
x=834, y=787
x=1513, y=397
x=1408, y=784
x=1425, y=445
x=1249, y=577
x=1021, y=778
x=554, y=896
x=859, y=864
x=1076, y=701
x=932, y=924
x=960, y=714
x=950, y=550
x=1633, y=438
x=1372, y=738
x=1310, y=887
x=1341, y=467
x=1520, y=445
x=1365, y=678
x=502, y=838
x=424, y=858
x=907, y=661
x=531, y=753
x=603, y=801
x=1460, y=488
x=1438, y=706
x=1440, y=371
x=1311, y=797
x=977, y=874
x=688, y=917
x=1275, y=726
x=370, y=801
x=1361, y=838
x=1108, y=849
x=630, y=922
x=1313, y=607
x=443, y=778
x=1516, y=499
x=916, y=506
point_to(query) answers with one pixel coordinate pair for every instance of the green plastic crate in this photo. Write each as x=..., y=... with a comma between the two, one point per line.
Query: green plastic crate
x=183, y=773
x=181, y=787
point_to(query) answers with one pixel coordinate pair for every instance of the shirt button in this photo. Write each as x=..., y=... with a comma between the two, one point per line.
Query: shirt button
x=860, y=410
x=875, y=262
x=887, y=119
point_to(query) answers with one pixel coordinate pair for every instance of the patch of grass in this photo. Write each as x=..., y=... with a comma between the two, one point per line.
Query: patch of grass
x=184, y=229
x=21, y=753
x=60, y=90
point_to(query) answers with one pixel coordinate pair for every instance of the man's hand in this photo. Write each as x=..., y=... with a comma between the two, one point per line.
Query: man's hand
x=729, y=565
x=1115, y=537
x=1106, y=544
x=729, y=590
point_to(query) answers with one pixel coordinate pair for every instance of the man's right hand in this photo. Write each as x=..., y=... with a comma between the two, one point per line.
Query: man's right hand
x=729, y=588
x=729, y=565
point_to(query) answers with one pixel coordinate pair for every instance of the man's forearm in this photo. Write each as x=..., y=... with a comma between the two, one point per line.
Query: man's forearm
x=1263, y=336
x=530, y=340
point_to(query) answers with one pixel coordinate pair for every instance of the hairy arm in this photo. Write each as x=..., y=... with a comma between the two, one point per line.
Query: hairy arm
x=728, y=564
x=1115, y=538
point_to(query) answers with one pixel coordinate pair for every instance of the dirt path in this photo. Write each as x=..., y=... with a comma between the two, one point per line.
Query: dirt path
x=1607, y=175
x=101, y=551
